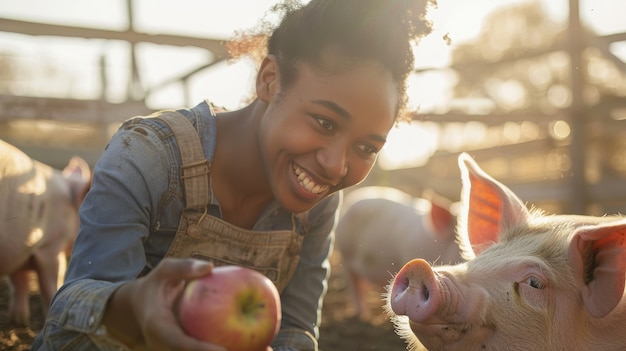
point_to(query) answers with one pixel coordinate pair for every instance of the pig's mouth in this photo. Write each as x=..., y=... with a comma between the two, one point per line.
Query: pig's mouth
x=438, y=334
x=448, y=331
x=449, y=336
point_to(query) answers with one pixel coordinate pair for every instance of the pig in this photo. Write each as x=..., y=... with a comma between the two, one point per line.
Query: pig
x=382, y=228
x=532, y=281
x=38, y=224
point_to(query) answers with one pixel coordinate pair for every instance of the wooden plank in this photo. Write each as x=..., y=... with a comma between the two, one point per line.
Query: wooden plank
x=492, y=119
x=612, y=38
x=68, y=110
x=58, y=157
x=43, y=29
x=598, y=113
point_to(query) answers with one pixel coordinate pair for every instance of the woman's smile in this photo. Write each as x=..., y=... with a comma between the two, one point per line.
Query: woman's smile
x=307, y=183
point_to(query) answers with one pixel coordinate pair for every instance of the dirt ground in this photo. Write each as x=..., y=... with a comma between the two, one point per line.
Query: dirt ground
x=339, y=330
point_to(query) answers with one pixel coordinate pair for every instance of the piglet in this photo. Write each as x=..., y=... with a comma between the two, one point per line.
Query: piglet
x=381, y=229
x=38, y=223
x=532, y=281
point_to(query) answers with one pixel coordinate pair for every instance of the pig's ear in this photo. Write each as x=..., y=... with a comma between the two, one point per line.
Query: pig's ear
x=77, y=168
x=442, y=220
x=78, y=175
x=488, y=208
x=598, y=256
x=440, y=214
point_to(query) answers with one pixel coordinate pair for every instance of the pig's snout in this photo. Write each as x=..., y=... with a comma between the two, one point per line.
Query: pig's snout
x=415, y=292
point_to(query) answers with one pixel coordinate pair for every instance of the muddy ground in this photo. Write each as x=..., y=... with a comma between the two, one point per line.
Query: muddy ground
x=340, y=331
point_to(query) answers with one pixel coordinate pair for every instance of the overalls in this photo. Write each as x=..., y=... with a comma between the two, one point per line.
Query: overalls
x=199, y=235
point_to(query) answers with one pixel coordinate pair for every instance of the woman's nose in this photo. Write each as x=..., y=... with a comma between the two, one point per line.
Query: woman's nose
x=333, y=161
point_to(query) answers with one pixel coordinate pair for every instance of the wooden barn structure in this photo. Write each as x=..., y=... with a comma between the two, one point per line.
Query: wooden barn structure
x=583, y=173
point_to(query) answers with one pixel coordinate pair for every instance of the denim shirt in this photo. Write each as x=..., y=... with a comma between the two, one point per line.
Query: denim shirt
x=129, y=218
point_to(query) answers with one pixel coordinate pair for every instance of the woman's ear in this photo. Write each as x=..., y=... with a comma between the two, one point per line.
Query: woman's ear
x=267, y=79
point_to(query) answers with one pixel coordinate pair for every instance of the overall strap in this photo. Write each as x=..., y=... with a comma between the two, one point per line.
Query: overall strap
x=194, y=170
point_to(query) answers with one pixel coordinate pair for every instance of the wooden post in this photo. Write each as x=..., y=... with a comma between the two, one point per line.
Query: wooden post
x=578, y=184
x=135, y=90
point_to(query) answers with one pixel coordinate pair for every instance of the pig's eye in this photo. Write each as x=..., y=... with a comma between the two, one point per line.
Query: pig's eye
x=535, y=282
x=533, y=291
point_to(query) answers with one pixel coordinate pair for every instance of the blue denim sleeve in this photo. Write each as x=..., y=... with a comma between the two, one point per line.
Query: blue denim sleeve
x=73, y=321
x=302, y=298
x=115, y=220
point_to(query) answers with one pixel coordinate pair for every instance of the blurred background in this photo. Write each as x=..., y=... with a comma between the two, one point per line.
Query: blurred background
x=534, y=90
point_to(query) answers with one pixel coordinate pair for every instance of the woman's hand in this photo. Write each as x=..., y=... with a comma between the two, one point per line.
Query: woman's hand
x=152, y=302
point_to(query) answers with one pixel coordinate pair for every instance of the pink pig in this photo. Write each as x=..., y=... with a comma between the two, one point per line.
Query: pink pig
x=38, y=223
x=532, y=282
x=381, y=229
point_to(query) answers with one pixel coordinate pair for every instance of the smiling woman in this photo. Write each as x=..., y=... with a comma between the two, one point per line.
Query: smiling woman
x=259, y=186
x=258, y=183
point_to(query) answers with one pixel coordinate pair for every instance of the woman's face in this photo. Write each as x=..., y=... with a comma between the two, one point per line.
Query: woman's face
x=324, y=132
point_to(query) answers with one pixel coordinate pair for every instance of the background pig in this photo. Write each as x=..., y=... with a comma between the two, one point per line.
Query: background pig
x=38, y=223
x=536, y=282
x=381, y=229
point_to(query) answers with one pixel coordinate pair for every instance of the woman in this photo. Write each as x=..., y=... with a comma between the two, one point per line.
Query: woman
x=257, y=186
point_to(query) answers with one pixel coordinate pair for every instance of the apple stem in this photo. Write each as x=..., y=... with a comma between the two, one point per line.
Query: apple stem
x=249, y=304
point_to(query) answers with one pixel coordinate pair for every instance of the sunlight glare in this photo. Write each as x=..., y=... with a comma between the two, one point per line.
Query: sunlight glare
x=409, y=145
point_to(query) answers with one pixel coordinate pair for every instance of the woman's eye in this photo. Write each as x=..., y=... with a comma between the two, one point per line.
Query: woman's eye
x=535, y=282
x=367, y=149
x=326, y=124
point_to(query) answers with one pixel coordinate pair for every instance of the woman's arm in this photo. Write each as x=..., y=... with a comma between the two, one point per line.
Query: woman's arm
x=303, y=296
x=100, y=297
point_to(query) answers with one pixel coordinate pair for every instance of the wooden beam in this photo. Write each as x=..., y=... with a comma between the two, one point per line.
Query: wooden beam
x=216, y=46
x=614, y=37
x=492, y=119
x=578, y=187
x=68, y=110
x=598, y=113
x=180, y=78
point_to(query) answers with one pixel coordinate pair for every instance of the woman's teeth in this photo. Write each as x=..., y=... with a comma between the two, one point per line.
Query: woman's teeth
x=308, y=183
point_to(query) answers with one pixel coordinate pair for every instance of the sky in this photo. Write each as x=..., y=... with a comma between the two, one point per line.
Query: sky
x=228, y=84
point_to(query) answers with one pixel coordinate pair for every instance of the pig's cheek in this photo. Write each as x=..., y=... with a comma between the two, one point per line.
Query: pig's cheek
x=533, y=292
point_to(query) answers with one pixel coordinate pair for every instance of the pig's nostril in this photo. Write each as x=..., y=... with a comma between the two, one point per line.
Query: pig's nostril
x=425, y=292
x=415, y=292
x=402, y=284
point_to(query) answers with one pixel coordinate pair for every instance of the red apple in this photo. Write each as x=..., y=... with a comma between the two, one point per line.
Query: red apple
x=235, y=307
